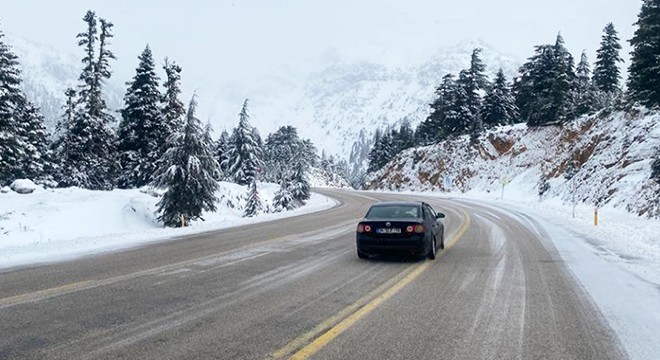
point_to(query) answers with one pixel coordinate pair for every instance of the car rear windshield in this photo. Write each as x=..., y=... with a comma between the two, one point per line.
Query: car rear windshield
x=393, y=212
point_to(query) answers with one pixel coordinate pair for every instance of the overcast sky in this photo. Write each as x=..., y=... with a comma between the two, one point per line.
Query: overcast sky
x=237, y=39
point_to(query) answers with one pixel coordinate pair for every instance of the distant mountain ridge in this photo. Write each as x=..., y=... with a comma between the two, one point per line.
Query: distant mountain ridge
x=331, y=106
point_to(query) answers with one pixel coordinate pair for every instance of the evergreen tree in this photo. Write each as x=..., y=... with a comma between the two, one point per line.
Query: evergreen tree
x=283, y=200
x=281, y=148
x=24, y=144
x=606, y=71
x=432, y=129
x=88, y=152
x=11, y=98
x=221, y=148
x=37, y=158
x=562, y=107
x=585, y=91
x=308, y=153
x=173, y=109
x=62, y=127
x=544, y=92
x=405, y=137
x=643, y=79
x=254, y=205
x=478, y=71
x=187, y=174
x=142, y=130
x=244, y=156
x=478, y=84
x=382, y=152
x=460, y=117
x=499, y=107
x=300, y=188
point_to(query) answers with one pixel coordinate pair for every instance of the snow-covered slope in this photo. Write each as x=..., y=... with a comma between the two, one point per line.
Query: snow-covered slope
x=612, y=155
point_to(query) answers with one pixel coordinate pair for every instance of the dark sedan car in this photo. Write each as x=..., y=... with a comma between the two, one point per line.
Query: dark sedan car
x=407, y=227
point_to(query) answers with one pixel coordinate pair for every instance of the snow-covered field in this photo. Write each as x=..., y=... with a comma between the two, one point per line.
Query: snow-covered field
x=58, y=224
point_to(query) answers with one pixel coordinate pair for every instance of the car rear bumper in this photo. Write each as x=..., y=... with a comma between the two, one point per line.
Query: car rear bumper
x=371, y=245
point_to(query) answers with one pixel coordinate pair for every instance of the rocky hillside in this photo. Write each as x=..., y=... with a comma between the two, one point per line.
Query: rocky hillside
x=602, y=160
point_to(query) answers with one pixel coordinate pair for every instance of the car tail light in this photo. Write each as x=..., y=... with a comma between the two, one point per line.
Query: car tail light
x=415, y=228
x=363, y=228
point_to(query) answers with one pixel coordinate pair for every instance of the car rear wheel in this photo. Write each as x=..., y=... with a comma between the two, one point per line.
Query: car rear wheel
x=434, y=250
x=361, y=254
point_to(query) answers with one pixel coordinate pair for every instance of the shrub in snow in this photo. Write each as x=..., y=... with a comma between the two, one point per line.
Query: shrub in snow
x=254, y=205
x=655, y=169
x=23, y=186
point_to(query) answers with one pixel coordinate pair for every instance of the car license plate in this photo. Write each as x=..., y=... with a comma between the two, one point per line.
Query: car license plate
x=389, y=231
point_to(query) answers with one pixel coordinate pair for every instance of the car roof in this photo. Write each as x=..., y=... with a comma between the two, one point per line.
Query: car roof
x=402, y=203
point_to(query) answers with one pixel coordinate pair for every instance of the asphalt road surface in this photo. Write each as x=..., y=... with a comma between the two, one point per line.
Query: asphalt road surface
x=295, y=288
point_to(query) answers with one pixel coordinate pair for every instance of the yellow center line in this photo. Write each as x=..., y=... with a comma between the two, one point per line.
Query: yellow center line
x=46, y=293
x=359, y=309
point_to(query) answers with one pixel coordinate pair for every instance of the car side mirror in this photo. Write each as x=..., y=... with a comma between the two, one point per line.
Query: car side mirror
x=441, y=216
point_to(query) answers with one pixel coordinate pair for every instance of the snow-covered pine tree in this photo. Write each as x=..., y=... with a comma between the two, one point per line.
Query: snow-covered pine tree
x=382, y=152
x=24, y=142
x=607, y=75
x=254, y=206
x=173, y=108
x=460, y=117
x=643, y=79
x=405, y=138
x=37, y=162
x=431, y=130
x=300, y=188
x=244, y=156
x=562, y=107
x=308, y=153
x=61, y=128
x=499, y=107
x=478, y=71
x=142, y=131
x=283, y=200
x=281, y=148
x=11, y=146
x=88, y=144
x=479, y=84
x=585, y=92
x=189, y=167
x=545, y=87
x=220, y=148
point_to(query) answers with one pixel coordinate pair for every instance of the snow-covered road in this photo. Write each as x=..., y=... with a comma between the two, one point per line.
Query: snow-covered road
x=617, y=262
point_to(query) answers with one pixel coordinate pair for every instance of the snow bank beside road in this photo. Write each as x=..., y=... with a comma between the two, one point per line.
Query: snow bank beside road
x=58, y=224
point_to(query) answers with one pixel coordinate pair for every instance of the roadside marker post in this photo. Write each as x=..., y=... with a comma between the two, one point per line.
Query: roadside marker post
x=504, y=181
x=595, y=216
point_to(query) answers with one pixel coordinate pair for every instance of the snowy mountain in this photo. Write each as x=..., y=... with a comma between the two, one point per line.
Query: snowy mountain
x=330, y=105
x=602, y=160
